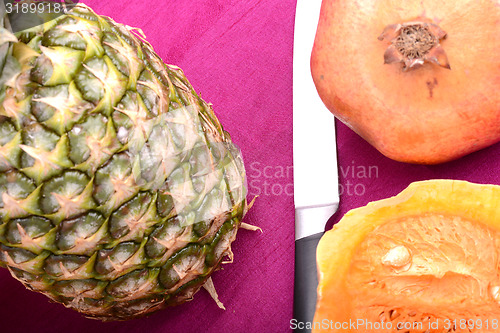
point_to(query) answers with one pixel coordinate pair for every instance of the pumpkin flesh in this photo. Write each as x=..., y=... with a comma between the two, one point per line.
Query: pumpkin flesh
x=429, y=256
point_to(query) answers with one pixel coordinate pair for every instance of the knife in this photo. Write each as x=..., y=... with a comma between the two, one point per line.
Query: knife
x=316, y=195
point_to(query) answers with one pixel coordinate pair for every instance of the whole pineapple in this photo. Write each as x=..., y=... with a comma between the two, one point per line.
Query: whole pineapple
x=120, y=193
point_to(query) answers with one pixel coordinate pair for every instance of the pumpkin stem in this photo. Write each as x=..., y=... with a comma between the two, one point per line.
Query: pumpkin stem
x=414, y=43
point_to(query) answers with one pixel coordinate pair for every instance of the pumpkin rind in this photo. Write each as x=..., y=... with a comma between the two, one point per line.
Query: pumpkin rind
x=426, y=115
x=473, y=206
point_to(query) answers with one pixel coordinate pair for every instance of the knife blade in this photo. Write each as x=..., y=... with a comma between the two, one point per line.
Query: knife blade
x=316, y=196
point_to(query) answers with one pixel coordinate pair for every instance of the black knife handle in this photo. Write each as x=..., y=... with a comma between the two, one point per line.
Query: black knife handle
x=306, y=282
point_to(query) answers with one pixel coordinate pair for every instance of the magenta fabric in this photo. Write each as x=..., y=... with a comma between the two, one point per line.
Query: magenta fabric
x=238, y=56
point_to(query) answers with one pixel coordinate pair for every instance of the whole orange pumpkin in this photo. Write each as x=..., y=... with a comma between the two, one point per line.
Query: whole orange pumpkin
x=418, y=79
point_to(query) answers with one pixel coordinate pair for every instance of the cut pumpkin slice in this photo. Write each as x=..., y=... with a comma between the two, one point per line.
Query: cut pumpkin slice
x=426, y=260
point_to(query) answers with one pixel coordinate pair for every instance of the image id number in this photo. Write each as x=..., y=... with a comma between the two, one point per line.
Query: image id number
x=471, y=324
x=33, y=8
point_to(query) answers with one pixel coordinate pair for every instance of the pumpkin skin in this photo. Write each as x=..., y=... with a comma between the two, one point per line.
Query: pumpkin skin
x=425, y=115
x=428, y=255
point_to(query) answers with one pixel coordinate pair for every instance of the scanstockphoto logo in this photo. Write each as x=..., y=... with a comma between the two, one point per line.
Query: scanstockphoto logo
x=270, y=180
x=26, y=14
x=354, y=177
x=277, y=180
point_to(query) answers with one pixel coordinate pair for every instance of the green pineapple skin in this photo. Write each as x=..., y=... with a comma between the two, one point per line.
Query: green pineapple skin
x=120, y=193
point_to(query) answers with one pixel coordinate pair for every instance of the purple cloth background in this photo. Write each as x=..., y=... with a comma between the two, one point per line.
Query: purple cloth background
x=238, y=56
